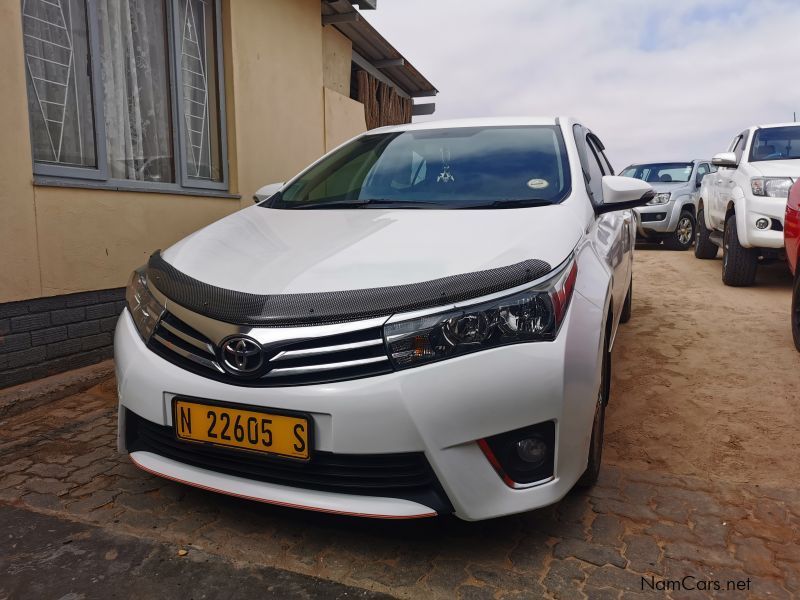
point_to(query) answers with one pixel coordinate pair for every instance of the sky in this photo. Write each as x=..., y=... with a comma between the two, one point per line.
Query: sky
x=655, y=79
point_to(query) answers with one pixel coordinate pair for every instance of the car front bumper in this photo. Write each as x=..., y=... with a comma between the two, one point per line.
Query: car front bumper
x=440, y=410
x=755, y=208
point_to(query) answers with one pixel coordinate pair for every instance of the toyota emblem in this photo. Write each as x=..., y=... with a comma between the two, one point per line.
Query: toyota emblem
x=241, y=355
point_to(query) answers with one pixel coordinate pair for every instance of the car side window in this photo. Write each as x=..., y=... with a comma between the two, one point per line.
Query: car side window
x=580, y=141
x=738, y=144
x=702, y=171
x=599, y=149
x=739, y=151
x=596, y=172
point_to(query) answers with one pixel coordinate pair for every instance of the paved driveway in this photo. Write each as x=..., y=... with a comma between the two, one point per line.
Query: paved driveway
x=646, y=530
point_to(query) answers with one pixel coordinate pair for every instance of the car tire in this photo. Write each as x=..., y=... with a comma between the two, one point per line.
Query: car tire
x=628, y=305
x=592, y=472
x=739, y=264
x=796, y=309
x=704, y=248
x=683, y=236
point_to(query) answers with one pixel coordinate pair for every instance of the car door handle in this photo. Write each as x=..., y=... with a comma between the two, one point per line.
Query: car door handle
x=719, y=180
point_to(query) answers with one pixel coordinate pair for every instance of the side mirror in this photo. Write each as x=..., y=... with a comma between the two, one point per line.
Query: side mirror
x=698, y=179
x=267, y=191
x=622, y=193
x=725, y=159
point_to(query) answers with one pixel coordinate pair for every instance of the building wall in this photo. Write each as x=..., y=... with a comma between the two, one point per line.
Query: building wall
x=276, y=55
x=62, y=246
x=19, y=258
x=337, y=57
x=344, y=119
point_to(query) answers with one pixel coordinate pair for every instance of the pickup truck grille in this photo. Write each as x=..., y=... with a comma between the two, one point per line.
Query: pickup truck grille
x=326, y=359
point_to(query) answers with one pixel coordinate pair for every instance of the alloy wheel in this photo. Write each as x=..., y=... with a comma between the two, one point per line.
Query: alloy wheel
x=685, y=230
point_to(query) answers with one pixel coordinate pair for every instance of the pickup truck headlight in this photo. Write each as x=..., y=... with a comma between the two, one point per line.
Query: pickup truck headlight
x=773, y=187
x=532, y=315
x=661, y=198
x=143, y=306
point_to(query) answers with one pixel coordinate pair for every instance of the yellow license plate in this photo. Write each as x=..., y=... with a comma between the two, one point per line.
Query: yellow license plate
x=283, y=435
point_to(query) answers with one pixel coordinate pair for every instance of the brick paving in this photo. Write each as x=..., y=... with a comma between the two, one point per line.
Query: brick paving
x=635, y=531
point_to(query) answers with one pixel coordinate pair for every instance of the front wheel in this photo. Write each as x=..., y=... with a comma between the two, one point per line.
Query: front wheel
x=681, y=238
x=796, y=309
x=739, y=264
x=703, y=246
x=592, y=472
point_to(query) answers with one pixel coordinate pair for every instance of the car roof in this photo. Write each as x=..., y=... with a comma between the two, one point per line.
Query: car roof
x=472, y=122
x=771, y=125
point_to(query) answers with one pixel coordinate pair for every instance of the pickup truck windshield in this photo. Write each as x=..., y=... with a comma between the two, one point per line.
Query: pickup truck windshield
x=660, y=172
x=776, y=143
x=468, y=167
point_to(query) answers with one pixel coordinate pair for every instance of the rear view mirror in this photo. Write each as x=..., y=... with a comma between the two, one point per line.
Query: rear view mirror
x=623, y=193
x=698, y=179
x=267, y=191
x=725, y=159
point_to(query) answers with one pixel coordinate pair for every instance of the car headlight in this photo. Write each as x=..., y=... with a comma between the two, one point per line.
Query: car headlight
x=773, y=187
x=143, y=306
x=531, y=315
x=661, y=198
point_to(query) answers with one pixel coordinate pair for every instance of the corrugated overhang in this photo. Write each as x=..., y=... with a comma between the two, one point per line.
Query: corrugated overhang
x=381, y=59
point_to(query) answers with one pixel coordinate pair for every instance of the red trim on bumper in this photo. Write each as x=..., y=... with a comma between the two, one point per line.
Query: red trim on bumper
x=278, y=503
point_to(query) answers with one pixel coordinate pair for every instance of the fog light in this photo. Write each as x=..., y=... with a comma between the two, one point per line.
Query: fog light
x=532, y=450
x=762, y=223
x=523, y=457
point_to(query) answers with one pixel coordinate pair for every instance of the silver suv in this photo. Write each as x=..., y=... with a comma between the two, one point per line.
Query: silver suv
x=670, y=217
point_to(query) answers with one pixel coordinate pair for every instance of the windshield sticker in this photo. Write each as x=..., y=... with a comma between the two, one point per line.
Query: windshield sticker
x=538, y=184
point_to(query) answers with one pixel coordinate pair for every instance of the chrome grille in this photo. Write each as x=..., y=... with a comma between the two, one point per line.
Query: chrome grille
x=338, y=357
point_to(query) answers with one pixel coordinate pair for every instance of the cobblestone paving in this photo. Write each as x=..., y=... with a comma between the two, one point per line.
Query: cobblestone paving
x=634, y=530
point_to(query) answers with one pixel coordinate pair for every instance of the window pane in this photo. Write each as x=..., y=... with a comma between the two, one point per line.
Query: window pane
x=199, y=72
x=59, y=84
x=133, y=43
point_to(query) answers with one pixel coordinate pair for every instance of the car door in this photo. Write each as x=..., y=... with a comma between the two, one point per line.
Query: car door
x=614, y=229
x=703, y=169
x=724, y=182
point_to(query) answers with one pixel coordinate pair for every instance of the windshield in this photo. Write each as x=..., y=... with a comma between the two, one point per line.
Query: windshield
x=471, y=167
x=776, y=143
x=660, y=172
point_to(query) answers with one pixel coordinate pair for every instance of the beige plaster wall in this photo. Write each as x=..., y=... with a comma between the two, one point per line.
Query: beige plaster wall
x=276, y=56
x=93, y=239
x=344, y=119
x=19, y=259
x=337, y=57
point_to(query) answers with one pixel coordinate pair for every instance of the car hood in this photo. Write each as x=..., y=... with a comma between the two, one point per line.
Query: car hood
x=269, y=251
x=673, y=187
x=778, y=168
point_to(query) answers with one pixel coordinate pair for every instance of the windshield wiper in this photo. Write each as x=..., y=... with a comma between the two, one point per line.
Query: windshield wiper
x=507, y=204
x=370, y=202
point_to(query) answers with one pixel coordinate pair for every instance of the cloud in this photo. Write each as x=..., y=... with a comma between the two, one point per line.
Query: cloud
x=658, y=80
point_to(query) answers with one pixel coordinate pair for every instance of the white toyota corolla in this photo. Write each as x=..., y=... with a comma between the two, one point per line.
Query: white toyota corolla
x=420, y=323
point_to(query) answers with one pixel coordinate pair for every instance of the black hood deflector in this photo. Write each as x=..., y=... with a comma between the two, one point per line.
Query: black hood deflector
x=283, y=310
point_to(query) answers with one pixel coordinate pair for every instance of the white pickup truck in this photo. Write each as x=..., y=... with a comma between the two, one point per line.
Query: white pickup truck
x=741, y=207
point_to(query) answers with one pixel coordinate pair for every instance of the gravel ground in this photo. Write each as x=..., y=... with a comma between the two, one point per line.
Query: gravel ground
x=706, y=377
